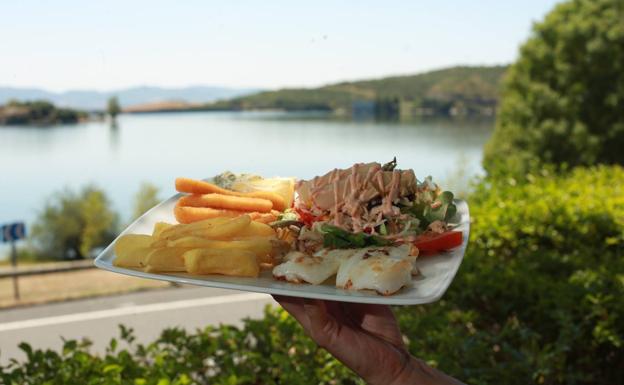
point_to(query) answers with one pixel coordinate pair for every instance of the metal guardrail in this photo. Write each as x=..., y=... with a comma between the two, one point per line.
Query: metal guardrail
x=47, y=268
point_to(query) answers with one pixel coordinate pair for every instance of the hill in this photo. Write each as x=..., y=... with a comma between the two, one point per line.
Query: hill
x=96, y=100
x=450, y=91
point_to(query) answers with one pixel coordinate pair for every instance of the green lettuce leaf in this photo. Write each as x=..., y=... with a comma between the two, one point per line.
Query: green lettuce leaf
x=445, y=211
x=426, y=214
x=338, y=238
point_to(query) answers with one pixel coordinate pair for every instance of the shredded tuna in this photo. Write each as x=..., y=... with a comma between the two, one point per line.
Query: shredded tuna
x=345, y=195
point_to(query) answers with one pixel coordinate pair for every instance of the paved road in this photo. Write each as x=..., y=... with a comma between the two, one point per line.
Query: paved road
x=147, y=312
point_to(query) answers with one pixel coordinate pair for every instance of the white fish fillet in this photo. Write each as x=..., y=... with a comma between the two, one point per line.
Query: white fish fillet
x=383, y=269
x=315, y=269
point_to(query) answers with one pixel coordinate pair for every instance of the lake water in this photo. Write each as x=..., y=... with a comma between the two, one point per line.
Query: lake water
x=157, y=148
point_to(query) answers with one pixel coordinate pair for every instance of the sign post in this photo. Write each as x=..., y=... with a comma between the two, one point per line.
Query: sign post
x=16, y=293
x=11, y=233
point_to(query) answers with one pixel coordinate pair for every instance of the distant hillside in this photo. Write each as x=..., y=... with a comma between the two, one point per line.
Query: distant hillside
x=165, y=106
x=96, y=100
x=451, y=91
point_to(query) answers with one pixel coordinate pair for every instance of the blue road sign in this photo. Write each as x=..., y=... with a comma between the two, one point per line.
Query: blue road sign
x=13, y=231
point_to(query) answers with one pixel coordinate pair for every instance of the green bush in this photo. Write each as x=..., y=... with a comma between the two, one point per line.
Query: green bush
x=562, y=100
x=538, y=299
x=72, y=224
x=144, y=199
x=269, y=351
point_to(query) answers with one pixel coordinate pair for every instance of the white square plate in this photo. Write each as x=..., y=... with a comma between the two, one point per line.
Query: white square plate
x=437, y=271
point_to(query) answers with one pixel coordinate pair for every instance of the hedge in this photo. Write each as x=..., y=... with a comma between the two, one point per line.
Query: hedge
x=538, y=299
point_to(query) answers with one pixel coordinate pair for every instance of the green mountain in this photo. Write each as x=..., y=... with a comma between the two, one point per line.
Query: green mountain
x=451, y=91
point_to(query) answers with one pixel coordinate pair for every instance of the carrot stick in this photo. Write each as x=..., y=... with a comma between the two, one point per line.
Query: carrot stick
x=220, y=201
x=194, y=186
x=278, y=202
x=185, y=214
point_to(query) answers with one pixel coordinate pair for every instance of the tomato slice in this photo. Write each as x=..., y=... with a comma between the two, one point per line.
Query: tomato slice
x=306, y=217
x=430, y=242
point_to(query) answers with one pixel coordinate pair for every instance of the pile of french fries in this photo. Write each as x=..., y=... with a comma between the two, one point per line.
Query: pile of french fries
x=236, y=246
x=207, y=200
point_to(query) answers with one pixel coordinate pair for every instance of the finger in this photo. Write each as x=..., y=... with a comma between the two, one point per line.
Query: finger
x=316, y=310
x=324, y=329
x=294, y=307
x=378, y=320
x=336, y=310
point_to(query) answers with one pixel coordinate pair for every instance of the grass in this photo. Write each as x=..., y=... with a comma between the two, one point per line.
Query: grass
x=39, y=289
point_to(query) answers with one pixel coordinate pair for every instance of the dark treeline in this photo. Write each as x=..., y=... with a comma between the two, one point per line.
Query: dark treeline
x=38, y=112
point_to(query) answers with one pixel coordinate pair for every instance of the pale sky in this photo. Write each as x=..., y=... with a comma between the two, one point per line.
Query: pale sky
x=60, y=45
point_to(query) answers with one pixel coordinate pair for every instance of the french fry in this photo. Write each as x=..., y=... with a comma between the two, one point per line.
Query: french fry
x=260, y=247
x=228, y=229
x=193, y=186
x=256, y=229
x=132, y=249
x=132, y=258
x=231, y=202
x=242, y=263
x=191, y=242
x=263, y=217
x=185, y=214
x=166, y=259
x=218, y=230
x=158, y=243
x=180, y=230
x=159, y=227
x=210, y=222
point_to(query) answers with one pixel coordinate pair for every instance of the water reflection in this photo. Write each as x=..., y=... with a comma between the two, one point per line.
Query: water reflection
x=114, y=135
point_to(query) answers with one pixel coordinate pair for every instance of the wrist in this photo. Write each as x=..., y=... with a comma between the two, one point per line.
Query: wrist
x=406, y=372
x=415, y=371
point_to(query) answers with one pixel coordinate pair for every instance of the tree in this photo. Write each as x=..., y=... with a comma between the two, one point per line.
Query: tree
x=113, y=107
x=145, y=199
x=563, y=99
x=71, y=225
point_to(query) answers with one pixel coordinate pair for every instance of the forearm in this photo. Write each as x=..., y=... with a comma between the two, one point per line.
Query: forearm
x=398, y=367
x=416, y=371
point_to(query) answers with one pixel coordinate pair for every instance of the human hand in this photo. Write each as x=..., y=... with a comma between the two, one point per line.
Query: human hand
x=366, y=338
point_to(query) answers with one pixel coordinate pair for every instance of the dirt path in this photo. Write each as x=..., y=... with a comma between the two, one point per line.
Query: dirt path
x=70, y=285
